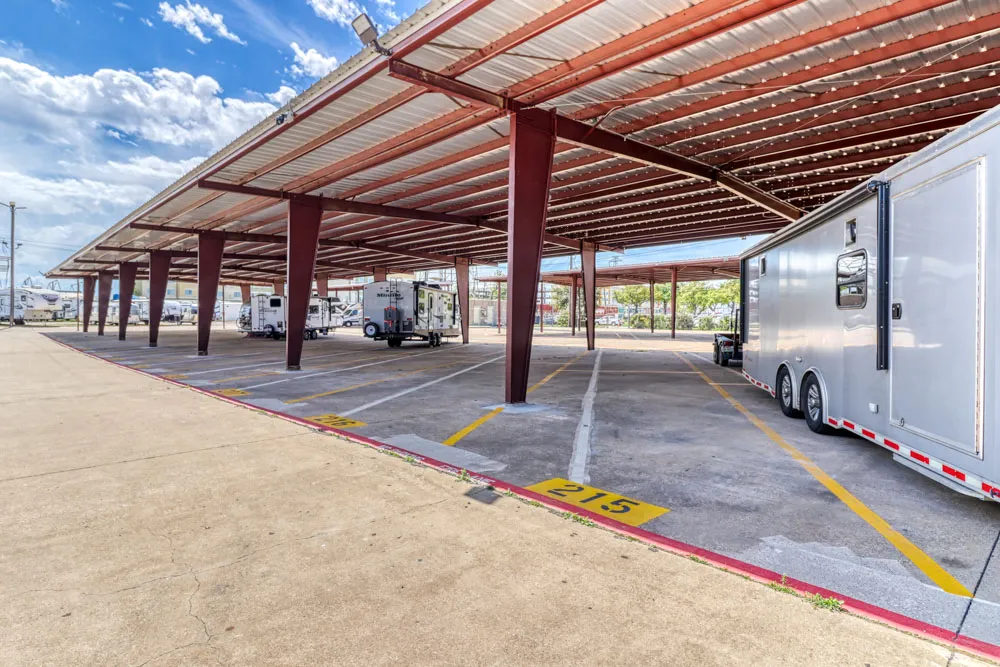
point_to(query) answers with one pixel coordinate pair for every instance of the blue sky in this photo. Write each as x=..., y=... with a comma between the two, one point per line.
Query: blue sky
x=103, y=103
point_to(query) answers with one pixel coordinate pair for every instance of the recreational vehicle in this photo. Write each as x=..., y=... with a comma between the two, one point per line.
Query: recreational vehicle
x=266, y=316
x=31, y=304
x=398, y=310
x=877, y=312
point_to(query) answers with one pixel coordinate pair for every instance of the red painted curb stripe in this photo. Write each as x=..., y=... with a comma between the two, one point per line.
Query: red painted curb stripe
x=859, y=607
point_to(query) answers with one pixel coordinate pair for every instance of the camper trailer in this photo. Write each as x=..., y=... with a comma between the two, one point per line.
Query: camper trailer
x=31, y=304
x=877, y=312
x=266, y=316
x=398, y=310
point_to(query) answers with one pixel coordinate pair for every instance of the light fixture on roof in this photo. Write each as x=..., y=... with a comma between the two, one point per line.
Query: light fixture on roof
x=368, y=33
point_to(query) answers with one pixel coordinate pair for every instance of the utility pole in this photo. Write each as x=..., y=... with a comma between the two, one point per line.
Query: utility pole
x=10, y=311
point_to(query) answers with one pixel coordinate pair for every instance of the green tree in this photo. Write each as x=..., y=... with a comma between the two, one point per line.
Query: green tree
x=558, y=296
x=632, y=295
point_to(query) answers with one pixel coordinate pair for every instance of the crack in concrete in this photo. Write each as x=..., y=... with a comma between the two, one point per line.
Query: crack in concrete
x=151, y=458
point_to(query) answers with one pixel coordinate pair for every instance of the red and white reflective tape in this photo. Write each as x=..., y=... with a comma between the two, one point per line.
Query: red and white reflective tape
x=766, y=387
x=988, y=489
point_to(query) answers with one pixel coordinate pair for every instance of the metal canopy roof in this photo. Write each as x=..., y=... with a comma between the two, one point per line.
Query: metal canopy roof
x=788, y=101
x=689, y=270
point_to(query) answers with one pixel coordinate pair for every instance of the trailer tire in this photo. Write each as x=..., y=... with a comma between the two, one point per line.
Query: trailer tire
x=371, y=330
x=812, y=400
x=786, y=395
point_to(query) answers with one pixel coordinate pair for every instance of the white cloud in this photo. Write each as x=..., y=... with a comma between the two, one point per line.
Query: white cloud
x=60, y=5
x=71, y=196
x=282, y=95
x=82, y=151
x=165, y=107
x=191, y=51
x=312, y=62
x=192, y=17
x=388, y=9
x=337, y=11
x=122, y=5
x=147, y=22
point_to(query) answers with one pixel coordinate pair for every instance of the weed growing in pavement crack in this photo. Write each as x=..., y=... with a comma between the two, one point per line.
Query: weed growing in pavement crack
x=781, y=588
x=464, y=476
x=698, y=560
x=830, y=603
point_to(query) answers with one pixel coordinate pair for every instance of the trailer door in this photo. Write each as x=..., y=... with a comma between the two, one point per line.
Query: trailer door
x=937, y=315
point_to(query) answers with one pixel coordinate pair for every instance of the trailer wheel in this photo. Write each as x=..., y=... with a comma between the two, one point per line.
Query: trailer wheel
x=786, y=395
x=812, y=401
x=371, y=329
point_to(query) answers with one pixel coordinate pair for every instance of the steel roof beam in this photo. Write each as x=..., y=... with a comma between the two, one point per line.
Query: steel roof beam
x=340, y=205
x=590, y=136
x=784, y=48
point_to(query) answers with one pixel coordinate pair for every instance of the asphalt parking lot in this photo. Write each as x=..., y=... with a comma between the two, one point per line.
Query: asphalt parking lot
x=645, y=430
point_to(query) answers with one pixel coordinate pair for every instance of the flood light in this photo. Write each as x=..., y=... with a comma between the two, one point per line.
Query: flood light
x=368, y=33
x=365, y=29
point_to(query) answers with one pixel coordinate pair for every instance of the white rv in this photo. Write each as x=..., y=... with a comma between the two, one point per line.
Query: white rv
x=266, y=316
x=398, y=310
x=31, y=304
x=877, y=313
x=114, y=309
x=228, y=311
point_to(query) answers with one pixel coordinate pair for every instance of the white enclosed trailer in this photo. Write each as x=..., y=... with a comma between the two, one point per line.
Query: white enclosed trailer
x=876, y=313
x=398, y=310
x=266, y=316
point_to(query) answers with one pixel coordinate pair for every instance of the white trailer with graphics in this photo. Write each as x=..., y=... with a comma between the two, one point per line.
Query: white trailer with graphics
x=31, y=304
x=398, y=310
x=878, y=312
x=266, y=316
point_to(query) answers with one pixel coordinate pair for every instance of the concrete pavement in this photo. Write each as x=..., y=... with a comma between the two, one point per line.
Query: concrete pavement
x=144, y=524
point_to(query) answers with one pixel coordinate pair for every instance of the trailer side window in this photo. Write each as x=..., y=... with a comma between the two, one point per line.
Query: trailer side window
x=314, y=310
x=275, y=303
x=851, y=233
x=852, y=280
x=763, y=266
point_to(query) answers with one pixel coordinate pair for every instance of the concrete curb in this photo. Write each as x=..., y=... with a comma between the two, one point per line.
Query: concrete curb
x=878, y=614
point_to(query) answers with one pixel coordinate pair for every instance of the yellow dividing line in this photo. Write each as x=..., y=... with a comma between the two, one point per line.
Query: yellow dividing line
x=927, y=565
x=495, y=411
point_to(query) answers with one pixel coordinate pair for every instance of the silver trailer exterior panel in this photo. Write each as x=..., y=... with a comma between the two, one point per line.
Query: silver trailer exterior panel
x=876, y=313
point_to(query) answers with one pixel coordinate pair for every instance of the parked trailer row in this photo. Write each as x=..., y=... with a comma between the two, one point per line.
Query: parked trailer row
x=877, y=313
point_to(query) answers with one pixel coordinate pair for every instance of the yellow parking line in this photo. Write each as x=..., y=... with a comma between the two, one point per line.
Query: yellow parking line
x=473, y=426
x=927, y=565
x=495, y=411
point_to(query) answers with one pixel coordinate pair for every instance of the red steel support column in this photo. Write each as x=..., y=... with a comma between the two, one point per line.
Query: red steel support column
x=159, y=271
x=589, y=257
x=652, y=307
x=323, y=284
x=303, y=241
x=279, y=287
x=532, y=141
x=572, y=306
x=210, y=247
x=245, y=293
x=88, y=301
x=126, y=285
x=673, y=303
x=103, y=300
x=380, y=273
x=462, y=278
